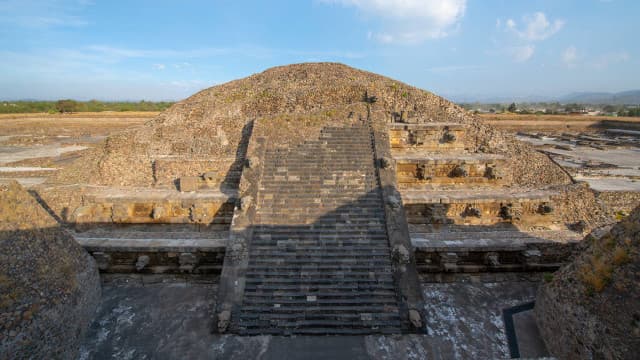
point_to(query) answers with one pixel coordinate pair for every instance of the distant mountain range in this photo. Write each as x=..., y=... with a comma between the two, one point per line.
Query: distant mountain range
x=622, y=98
x=631, y=97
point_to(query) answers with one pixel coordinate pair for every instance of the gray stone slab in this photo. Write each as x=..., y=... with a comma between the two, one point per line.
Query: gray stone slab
x=143, y=320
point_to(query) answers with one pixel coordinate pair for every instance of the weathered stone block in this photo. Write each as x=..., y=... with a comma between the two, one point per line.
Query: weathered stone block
x=120, y=213
x=188, y=262
x=158, y=212
x=189, y=183
x=449, y=261
x=142, y=262
x=103, y=260
x=200, y=214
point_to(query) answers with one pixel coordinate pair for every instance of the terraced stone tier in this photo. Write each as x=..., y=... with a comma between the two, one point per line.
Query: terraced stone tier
x=427, y=136
x=501, y=248
x=104, y=206
x=479, y=206
x=319, y=259
x=156, y=248
x=424, y=168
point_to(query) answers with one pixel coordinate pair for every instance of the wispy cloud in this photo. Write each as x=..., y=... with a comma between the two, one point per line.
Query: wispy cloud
x=536, y=27
x=605, y=60
x=521, y=53
x=573, y=58
x=410, y=21
x=532, y=28
x=42, y=14
x=570, y=56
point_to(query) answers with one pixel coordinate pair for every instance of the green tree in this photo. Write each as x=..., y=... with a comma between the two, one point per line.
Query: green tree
x=512, y=108
x=66, y=106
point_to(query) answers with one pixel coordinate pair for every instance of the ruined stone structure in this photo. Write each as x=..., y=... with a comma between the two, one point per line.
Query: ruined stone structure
x=590, y=309
x=49, y=286
x=319, y=192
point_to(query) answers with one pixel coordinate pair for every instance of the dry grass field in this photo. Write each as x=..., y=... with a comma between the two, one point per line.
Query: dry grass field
x=517, y=122
x=77, y=124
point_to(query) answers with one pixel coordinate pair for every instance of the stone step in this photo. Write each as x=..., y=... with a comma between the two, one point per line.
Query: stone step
x=320, y=243
x=292, y=303
x=307, y=267
x=344, y=228
x=312, y=256
x=382, y=263
x=328, y=220
x=321, y=234
x=331, y=231
x=315, y=316
x=320, y=275
x=284, y=198
x=416, y=157
x=285, y=257
x=328, y=217
x=320, y=281
x=330, y=214
x=313, y=192
x=311, y=208
x=276, y=294
x=336, y=321
x=294, y=246
x=336, y=309
x=353, y=331
x=320, y=287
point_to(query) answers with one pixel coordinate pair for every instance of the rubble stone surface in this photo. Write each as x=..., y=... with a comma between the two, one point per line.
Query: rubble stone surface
x=49, y=286
x=590, y=310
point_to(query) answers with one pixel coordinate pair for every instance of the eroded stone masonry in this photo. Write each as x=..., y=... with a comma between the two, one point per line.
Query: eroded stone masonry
x=319, y=192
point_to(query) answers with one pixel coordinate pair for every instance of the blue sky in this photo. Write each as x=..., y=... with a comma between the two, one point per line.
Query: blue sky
x=166, y=50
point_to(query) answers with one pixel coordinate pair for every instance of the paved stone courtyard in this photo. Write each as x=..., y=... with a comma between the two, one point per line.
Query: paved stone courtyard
x=144, y=318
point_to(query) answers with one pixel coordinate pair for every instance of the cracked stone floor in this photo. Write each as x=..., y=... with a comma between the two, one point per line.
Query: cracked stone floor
x=164, y=318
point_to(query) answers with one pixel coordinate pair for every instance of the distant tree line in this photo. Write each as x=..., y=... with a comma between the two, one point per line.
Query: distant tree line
x=553, y=108
x=71, y=106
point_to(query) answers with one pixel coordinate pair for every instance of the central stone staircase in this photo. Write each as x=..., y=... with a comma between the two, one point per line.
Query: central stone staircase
x=319, y=258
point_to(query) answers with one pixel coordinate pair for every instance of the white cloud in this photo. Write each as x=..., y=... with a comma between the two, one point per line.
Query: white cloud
x=411, y=21
x=158, y=66
x=521, y=53
x=536, y=27
x=570, y=56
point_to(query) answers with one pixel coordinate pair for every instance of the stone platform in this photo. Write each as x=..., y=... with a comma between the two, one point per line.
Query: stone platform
x=151, y=317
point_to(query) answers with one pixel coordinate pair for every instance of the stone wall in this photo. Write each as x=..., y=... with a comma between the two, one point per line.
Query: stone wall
x=590, y=310
x=49, y=286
